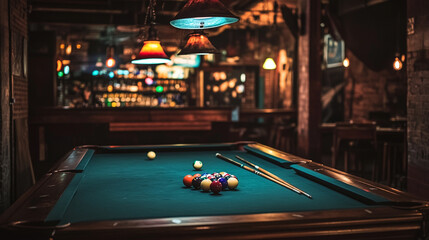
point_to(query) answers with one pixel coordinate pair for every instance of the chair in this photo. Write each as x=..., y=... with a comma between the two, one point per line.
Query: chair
x=285, y=138
x=394, y=161
x=354, y=138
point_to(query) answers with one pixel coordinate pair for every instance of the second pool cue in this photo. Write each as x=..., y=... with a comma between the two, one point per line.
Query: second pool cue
x=218, y=155
x=271, y=175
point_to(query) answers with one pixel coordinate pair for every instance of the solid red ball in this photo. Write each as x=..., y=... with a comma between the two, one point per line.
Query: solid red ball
x=187, y=180
x=216, y=187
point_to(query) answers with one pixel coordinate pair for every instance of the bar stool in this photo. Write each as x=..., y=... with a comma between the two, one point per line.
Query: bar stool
x=394, y=160
x=353, y=135
x=285, y=138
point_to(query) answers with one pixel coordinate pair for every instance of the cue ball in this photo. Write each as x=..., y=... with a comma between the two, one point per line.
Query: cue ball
x=232, y=183
x=187, y=180
x=151, y=155
x=205, y=185
x=197, y=165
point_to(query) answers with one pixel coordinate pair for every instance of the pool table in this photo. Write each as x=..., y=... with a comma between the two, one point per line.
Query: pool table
x=116, y=192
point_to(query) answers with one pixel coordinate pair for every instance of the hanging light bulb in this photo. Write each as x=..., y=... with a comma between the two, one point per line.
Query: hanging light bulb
x=202, y=14
x=110, y=62
x=397, y=64
x=152, y=51
x=198, y=44
x=346, y=62
x=269, y=64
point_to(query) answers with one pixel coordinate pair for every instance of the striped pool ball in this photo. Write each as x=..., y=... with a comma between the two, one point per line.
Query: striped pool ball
x=197, y=165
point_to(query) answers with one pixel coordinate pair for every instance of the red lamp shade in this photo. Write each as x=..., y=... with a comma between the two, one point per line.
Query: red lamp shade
x=151, y=53
x=202, y=14
x=198, y=44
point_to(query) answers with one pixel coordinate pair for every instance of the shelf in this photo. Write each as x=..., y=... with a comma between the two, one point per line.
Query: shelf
x=138, y=92
x=140, y=79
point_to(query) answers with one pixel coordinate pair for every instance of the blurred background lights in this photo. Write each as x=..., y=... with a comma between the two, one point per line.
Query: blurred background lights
x=243, y=77
x=66, y=69
x=148, y=81
x=110, y=62
x=346, y=62
x=159, y=89
x=397, y=64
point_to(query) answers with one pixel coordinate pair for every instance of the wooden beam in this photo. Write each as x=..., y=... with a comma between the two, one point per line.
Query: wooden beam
x=309, y=80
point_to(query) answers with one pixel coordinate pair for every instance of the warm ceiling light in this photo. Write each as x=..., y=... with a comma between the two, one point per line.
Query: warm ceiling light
x=202, y=14
x=198, y=44
x=346, y=62
x=110, y=62
x=110, y=53
x=151, y=52
x=269, y=64
x=397, y=64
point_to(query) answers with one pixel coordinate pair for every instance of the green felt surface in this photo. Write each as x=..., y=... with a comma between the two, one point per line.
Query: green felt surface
x=117, y=186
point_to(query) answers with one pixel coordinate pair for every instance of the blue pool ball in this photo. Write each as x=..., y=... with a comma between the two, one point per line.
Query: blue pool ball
x=224, y=182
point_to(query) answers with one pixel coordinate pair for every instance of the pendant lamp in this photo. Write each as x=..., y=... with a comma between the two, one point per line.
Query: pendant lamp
x=269, y=64
x=110, y=61
x=152, y=51
x=198, y=44
x=203, y=14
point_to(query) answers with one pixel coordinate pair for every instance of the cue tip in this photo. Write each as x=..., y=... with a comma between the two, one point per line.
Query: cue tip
x=217, y=154
x=307, y=195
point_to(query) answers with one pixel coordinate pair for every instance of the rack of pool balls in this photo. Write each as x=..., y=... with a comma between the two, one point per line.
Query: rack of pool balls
x=214, y=182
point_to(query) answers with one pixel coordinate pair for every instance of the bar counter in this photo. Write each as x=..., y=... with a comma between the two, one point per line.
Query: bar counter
x=54, y=131
x=135, y=114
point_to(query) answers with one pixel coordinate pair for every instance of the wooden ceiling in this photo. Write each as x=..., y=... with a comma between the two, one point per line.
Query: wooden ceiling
x=113, y=12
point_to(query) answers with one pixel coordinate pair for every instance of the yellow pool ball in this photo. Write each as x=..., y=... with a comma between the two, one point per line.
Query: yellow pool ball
x=232, y=183
x=151, y=155
x=197, y=165
x=205, y=185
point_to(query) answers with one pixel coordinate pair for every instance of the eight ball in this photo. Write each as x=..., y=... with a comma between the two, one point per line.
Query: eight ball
x=196, y=182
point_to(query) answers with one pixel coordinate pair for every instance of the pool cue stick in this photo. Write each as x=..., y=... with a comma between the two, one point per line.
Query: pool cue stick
x=270, y=174
x=218, y=155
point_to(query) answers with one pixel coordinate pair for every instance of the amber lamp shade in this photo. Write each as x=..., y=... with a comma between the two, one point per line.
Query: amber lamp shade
x=198, y=44
x=151, y=53
x=202, y=14
x=269, y=64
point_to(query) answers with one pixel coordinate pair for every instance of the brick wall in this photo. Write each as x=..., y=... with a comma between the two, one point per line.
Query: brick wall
x=373, y=91
x=418, y=97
